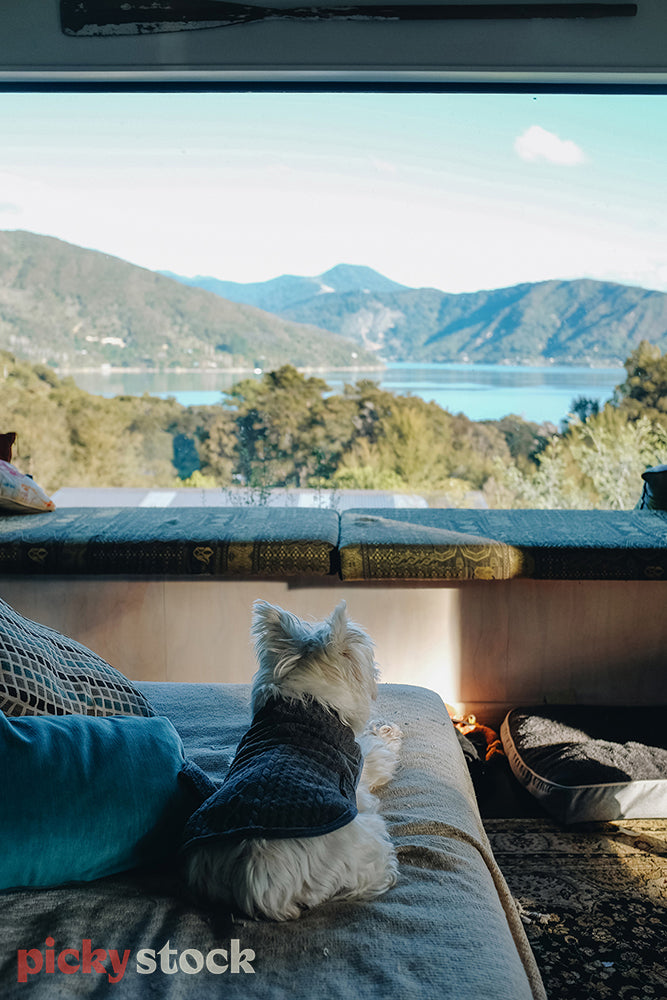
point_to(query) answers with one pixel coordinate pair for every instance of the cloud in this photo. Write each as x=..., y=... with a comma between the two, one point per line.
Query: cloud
x=537, y=144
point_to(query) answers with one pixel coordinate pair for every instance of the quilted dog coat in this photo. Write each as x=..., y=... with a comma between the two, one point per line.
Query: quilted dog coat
x=295, y=774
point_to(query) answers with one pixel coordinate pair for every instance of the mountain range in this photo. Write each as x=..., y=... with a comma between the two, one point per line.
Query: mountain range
x=71, y=307
x=66, y=306
x=289, y=290
x=569, y=322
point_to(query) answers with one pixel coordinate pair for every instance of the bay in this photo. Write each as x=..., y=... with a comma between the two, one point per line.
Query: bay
x=481, y=392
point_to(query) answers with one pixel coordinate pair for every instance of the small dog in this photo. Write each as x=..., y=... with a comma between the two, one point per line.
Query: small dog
x=290, y=828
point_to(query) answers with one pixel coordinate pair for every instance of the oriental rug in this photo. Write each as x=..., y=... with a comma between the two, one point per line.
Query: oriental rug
x=593, y=900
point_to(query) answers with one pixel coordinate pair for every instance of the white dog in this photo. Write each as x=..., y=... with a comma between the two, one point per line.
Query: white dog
x=290, y=828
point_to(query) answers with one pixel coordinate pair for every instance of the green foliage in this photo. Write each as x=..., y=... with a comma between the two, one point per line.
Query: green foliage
x=198, y=480
x=597, y=464
x=68, y=437
x=281, y=428
x=367, y=477
x=525, y=439
x=582, y=408
x=644, y=392
x=549, y=485
x=284, y=430
x=612, y=453
x=288, y=430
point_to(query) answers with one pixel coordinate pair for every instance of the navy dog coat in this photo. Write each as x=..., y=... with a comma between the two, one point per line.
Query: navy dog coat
x=295, y=774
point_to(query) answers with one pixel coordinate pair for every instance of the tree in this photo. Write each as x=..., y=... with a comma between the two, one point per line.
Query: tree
x=525, y=439
x=282, y=432
x=214, y=434
x=644, y=392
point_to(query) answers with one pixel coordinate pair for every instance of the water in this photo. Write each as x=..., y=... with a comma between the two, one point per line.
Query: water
x=481, y=392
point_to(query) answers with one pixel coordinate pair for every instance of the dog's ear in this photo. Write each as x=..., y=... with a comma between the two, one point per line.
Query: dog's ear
x=340, y=632
x=264, y=616
x=269, y=619
x=347, y=642
x=338, y=624
x=278, y=633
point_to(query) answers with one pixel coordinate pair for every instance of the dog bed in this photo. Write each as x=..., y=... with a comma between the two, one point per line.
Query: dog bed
x=591, y=763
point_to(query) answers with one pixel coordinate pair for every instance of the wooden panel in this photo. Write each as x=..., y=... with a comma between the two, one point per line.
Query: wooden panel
x=484, y=647
x=570, y=641
x=124, y=622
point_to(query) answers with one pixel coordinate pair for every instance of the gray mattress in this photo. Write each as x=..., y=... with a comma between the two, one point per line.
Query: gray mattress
x=449, y=927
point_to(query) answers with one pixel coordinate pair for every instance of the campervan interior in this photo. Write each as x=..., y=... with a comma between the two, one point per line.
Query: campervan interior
x=514, y=618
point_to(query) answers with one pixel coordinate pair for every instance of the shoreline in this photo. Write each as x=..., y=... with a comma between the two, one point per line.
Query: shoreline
x=482, y=392
x=113, y=370
x=318, y=369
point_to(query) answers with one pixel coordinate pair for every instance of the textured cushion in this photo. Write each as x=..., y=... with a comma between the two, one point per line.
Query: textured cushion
x=20, y=493
x=44, y=673
x=450, y=544
x=180, y=541
x=586, y=763
x=84, y=798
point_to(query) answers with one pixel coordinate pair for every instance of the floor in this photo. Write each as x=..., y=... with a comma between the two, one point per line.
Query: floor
x=500, y=796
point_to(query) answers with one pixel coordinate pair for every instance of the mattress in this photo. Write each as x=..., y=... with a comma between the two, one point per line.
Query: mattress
x=448, y=928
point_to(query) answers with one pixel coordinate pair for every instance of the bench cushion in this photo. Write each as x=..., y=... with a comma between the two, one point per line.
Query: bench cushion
x=449, y=544
x=178, y=541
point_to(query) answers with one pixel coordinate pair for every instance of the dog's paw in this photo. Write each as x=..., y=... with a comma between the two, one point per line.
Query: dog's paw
x=388, y=732
x=380, y=745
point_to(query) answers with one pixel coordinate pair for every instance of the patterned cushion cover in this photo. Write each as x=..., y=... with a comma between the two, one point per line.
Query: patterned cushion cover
x=20, y=493
x=44, y=673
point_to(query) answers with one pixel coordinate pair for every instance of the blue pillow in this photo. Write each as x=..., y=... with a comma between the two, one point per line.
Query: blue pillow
x=84, y=797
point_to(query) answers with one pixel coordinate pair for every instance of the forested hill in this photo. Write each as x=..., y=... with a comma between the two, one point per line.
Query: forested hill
x=70, y=307
x=570, y=322
x=65, y=306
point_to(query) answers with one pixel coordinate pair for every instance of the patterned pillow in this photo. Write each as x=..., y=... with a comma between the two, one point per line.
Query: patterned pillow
x=44, y=673
x=20, y=493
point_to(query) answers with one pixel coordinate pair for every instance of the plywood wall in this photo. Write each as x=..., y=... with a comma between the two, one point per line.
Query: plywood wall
x=483, y=646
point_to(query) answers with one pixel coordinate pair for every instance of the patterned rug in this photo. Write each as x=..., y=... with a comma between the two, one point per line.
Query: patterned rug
x=593, y=902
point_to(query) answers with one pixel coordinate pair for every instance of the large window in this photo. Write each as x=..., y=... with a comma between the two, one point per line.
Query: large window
x=431, y=295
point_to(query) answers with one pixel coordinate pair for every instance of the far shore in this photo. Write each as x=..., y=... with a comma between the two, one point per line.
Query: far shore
x=111, y=370
x=317, y=369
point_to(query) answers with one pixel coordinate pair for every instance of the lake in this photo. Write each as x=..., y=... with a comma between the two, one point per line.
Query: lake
x=482, y=392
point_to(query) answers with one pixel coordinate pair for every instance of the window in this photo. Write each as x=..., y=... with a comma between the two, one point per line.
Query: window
x=448, y=287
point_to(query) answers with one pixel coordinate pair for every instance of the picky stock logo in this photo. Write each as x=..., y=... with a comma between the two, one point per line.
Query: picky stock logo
x=113, y=964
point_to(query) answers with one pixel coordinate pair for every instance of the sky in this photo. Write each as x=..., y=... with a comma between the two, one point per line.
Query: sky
x=456, y=191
